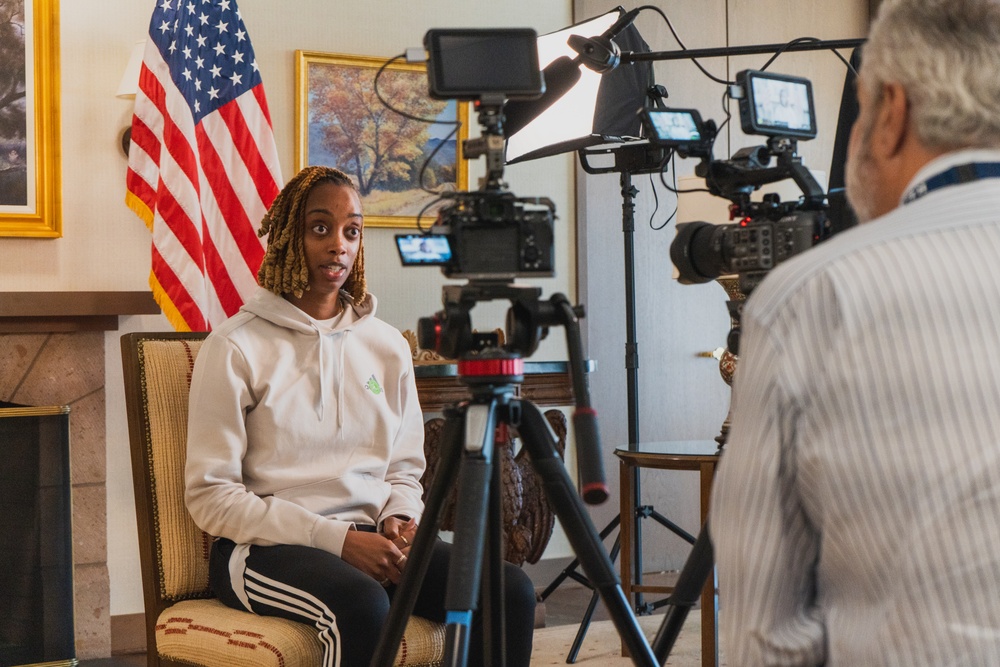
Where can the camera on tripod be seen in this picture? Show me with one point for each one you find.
(765, 233)
(487, 236)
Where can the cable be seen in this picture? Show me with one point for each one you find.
(406, 114)
(681, 44)
(420, 215)
(801, 40)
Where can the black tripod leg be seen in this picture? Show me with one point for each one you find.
(570, 570)
(589, 614)
(465, 565)
(494, 607)
(673, 527)
(423, 543)
(580, 530)
(696, 571)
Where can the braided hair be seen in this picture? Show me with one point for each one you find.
(284, 269)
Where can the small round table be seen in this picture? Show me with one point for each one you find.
(698, 455)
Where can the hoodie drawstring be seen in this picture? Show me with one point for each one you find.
(339, 339)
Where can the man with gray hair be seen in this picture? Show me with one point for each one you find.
(856, 512)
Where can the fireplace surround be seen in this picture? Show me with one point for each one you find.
(52, 353)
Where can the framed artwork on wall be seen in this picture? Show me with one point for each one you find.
(398, 163)
(29, 119)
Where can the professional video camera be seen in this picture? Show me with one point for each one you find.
(487, 234)
(767, 232)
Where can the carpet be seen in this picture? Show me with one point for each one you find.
(602, 644)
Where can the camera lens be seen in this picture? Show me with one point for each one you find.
(697, 252)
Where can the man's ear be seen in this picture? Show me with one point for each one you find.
(892, 122)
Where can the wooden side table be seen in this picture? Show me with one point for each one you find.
(698, 455)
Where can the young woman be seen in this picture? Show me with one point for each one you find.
(305, 440)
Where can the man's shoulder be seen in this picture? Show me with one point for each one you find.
(803, 270)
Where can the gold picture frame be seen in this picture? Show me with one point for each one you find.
(30, 169)
(335, 91)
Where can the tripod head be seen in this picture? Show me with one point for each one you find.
(449, 331)
(487, 367)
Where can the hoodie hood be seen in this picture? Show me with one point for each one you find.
(331, 337)
(282, 312)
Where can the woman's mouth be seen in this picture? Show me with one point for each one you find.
(333, 271)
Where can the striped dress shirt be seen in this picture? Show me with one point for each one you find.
(856, 512)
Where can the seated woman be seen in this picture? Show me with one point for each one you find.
(305, 441)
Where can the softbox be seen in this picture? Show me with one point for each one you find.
(597, 109)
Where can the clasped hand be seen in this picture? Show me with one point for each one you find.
(383, 555)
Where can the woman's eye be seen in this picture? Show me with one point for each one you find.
(319, 228)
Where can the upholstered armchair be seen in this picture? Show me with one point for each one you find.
(185, 624)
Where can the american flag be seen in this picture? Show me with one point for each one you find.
(203, 167)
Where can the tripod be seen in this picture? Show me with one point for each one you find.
(467, 456)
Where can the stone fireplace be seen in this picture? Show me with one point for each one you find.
(52, 354)
(68, 369)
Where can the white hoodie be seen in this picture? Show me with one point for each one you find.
(300, 428)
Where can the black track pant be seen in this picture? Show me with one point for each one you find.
(348, 607)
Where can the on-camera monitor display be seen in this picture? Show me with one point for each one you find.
(782, 104)
(423, 248)
(465, 63)
(675, 126)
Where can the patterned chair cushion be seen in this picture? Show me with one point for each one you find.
(206, 632)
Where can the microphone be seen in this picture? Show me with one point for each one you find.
(564, 72)
(623, 22)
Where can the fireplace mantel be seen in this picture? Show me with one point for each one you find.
(48, 312)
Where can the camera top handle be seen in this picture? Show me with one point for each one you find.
(747, 170)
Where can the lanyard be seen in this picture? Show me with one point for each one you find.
(963, 173)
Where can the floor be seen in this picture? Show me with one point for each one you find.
(565, 606)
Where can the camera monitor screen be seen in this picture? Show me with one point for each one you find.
(672, 127)
(467, 63)
(777, 105)
(430, 249)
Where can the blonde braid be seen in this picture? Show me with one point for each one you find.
(283, 269)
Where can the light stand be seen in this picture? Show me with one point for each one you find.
(629, 160)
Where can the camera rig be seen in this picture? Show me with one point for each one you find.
(764, 233)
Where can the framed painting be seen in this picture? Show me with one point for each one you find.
(340, 122)
(29, 119)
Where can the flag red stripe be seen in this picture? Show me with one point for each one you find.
(181, 225)
(258, 92)
(144, 138)
(247, 148)
(229, 202)
(138, 186)
(177, 294)
(215, 267)
(173, 137)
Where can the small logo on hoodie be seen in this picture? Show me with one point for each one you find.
(373, 386)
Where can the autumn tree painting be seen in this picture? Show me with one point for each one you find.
(13, 124)
(383, 151)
